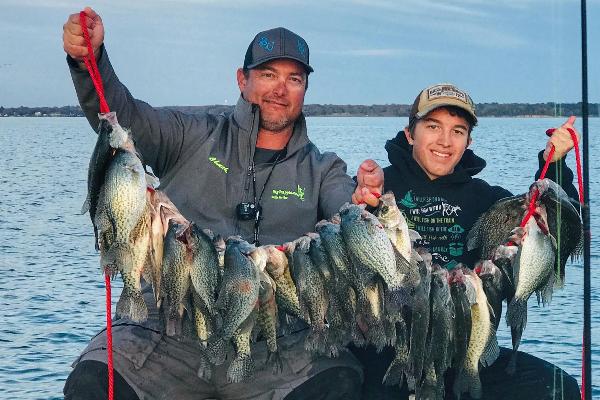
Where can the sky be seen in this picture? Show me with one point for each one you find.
(186, 52)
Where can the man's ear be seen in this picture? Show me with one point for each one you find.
(241, 79)
(469, 142)
(408, 136)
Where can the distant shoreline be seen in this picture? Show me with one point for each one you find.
(496, 110)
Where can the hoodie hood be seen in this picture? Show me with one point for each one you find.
(400, 155)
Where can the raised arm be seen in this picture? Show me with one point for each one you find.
(160, 135)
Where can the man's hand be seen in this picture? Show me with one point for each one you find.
(562, 141)
(73, 39)
(370, 184)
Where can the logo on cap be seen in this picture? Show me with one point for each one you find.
(266, 44)
(301, 47)
(447, 91)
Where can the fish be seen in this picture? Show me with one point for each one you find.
(462, 298)
(176, 281)
(483, 346)
(420, 317)
(242, 366)
(236, 303)
(395, 225)
(494, 226)
(110, 136)
(205, 271)
(441, 340)
(533, 271)
(267, 321)
(278, 269)
(368, 244)
(122, 221)
(564, 223)
(312, 294)
(347, 283)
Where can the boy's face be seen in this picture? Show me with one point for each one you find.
(439, 141)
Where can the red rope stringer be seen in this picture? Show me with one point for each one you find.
(92, 67)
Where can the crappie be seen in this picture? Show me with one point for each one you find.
(462, 301)
(312, 293)
(110, 136)
(122, 204)
(237, 298)
(267, 321)
(564, 223)
(176, 266)
(368, 244)
(395, 225)
(482, 343)
(533, 271)
(278, 268)
(494, 226)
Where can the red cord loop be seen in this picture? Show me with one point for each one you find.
(92, 67)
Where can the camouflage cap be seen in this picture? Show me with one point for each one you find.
(277, 43)
(439, 95)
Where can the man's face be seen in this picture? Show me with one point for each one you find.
(439, 141)
(278, 88)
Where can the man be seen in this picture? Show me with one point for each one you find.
(432, 177)
(253, 173)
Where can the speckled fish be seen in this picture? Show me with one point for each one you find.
(267, 321)
(533, 271)
(439, 348)
(421, 312)
(175, 278)
(482, 347)
(278, 268)
(494, 226)
(110, 136)
(122, 204)
(368, 244)
(347, 283)
(462, 298)
(312, 293)
(395, 225)
(237, 301)
(564, 223)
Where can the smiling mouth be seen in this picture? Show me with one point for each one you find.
(276, 103)
(441, 155)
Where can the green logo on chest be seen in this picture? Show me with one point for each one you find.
(282, 194)
(218, 164)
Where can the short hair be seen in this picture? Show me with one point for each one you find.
(452, 110)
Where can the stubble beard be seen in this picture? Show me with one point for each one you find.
(278, 125)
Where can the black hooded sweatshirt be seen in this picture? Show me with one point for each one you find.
(443, 210)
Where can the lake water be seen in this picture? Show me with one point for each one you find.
(52, 292)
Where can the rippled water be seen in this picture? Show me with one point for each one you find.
(52, 292)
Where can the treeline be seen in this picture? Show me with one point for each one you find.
(347, 110)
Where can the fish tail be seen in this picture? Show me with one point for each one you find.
(316, 340)
(395, 374)
(217, 350)
(131, 304)
(205, 368)
(274, 361)
(240, 369)
(516, 317)
(85, 207)
(468, 381)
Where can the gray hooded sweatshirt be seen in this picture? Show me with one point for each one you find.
(203, 163)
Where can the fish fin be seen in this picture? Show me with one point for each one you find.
(131, 304)
(468, 381)
(85, 207)
(544, 295)
(205, 368)
(316, 340)
(492, 350)
(397, 369)
(118, 257)
(274, 360)
(152, 181)
(217, 350)
(516, 318)
(413, 235)
(240, 369)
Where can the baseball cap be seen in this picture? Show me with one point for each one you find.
(439, 95)
(277, 43)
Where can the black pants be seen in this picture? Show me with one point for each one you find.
(89, 381)
(535, 379)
